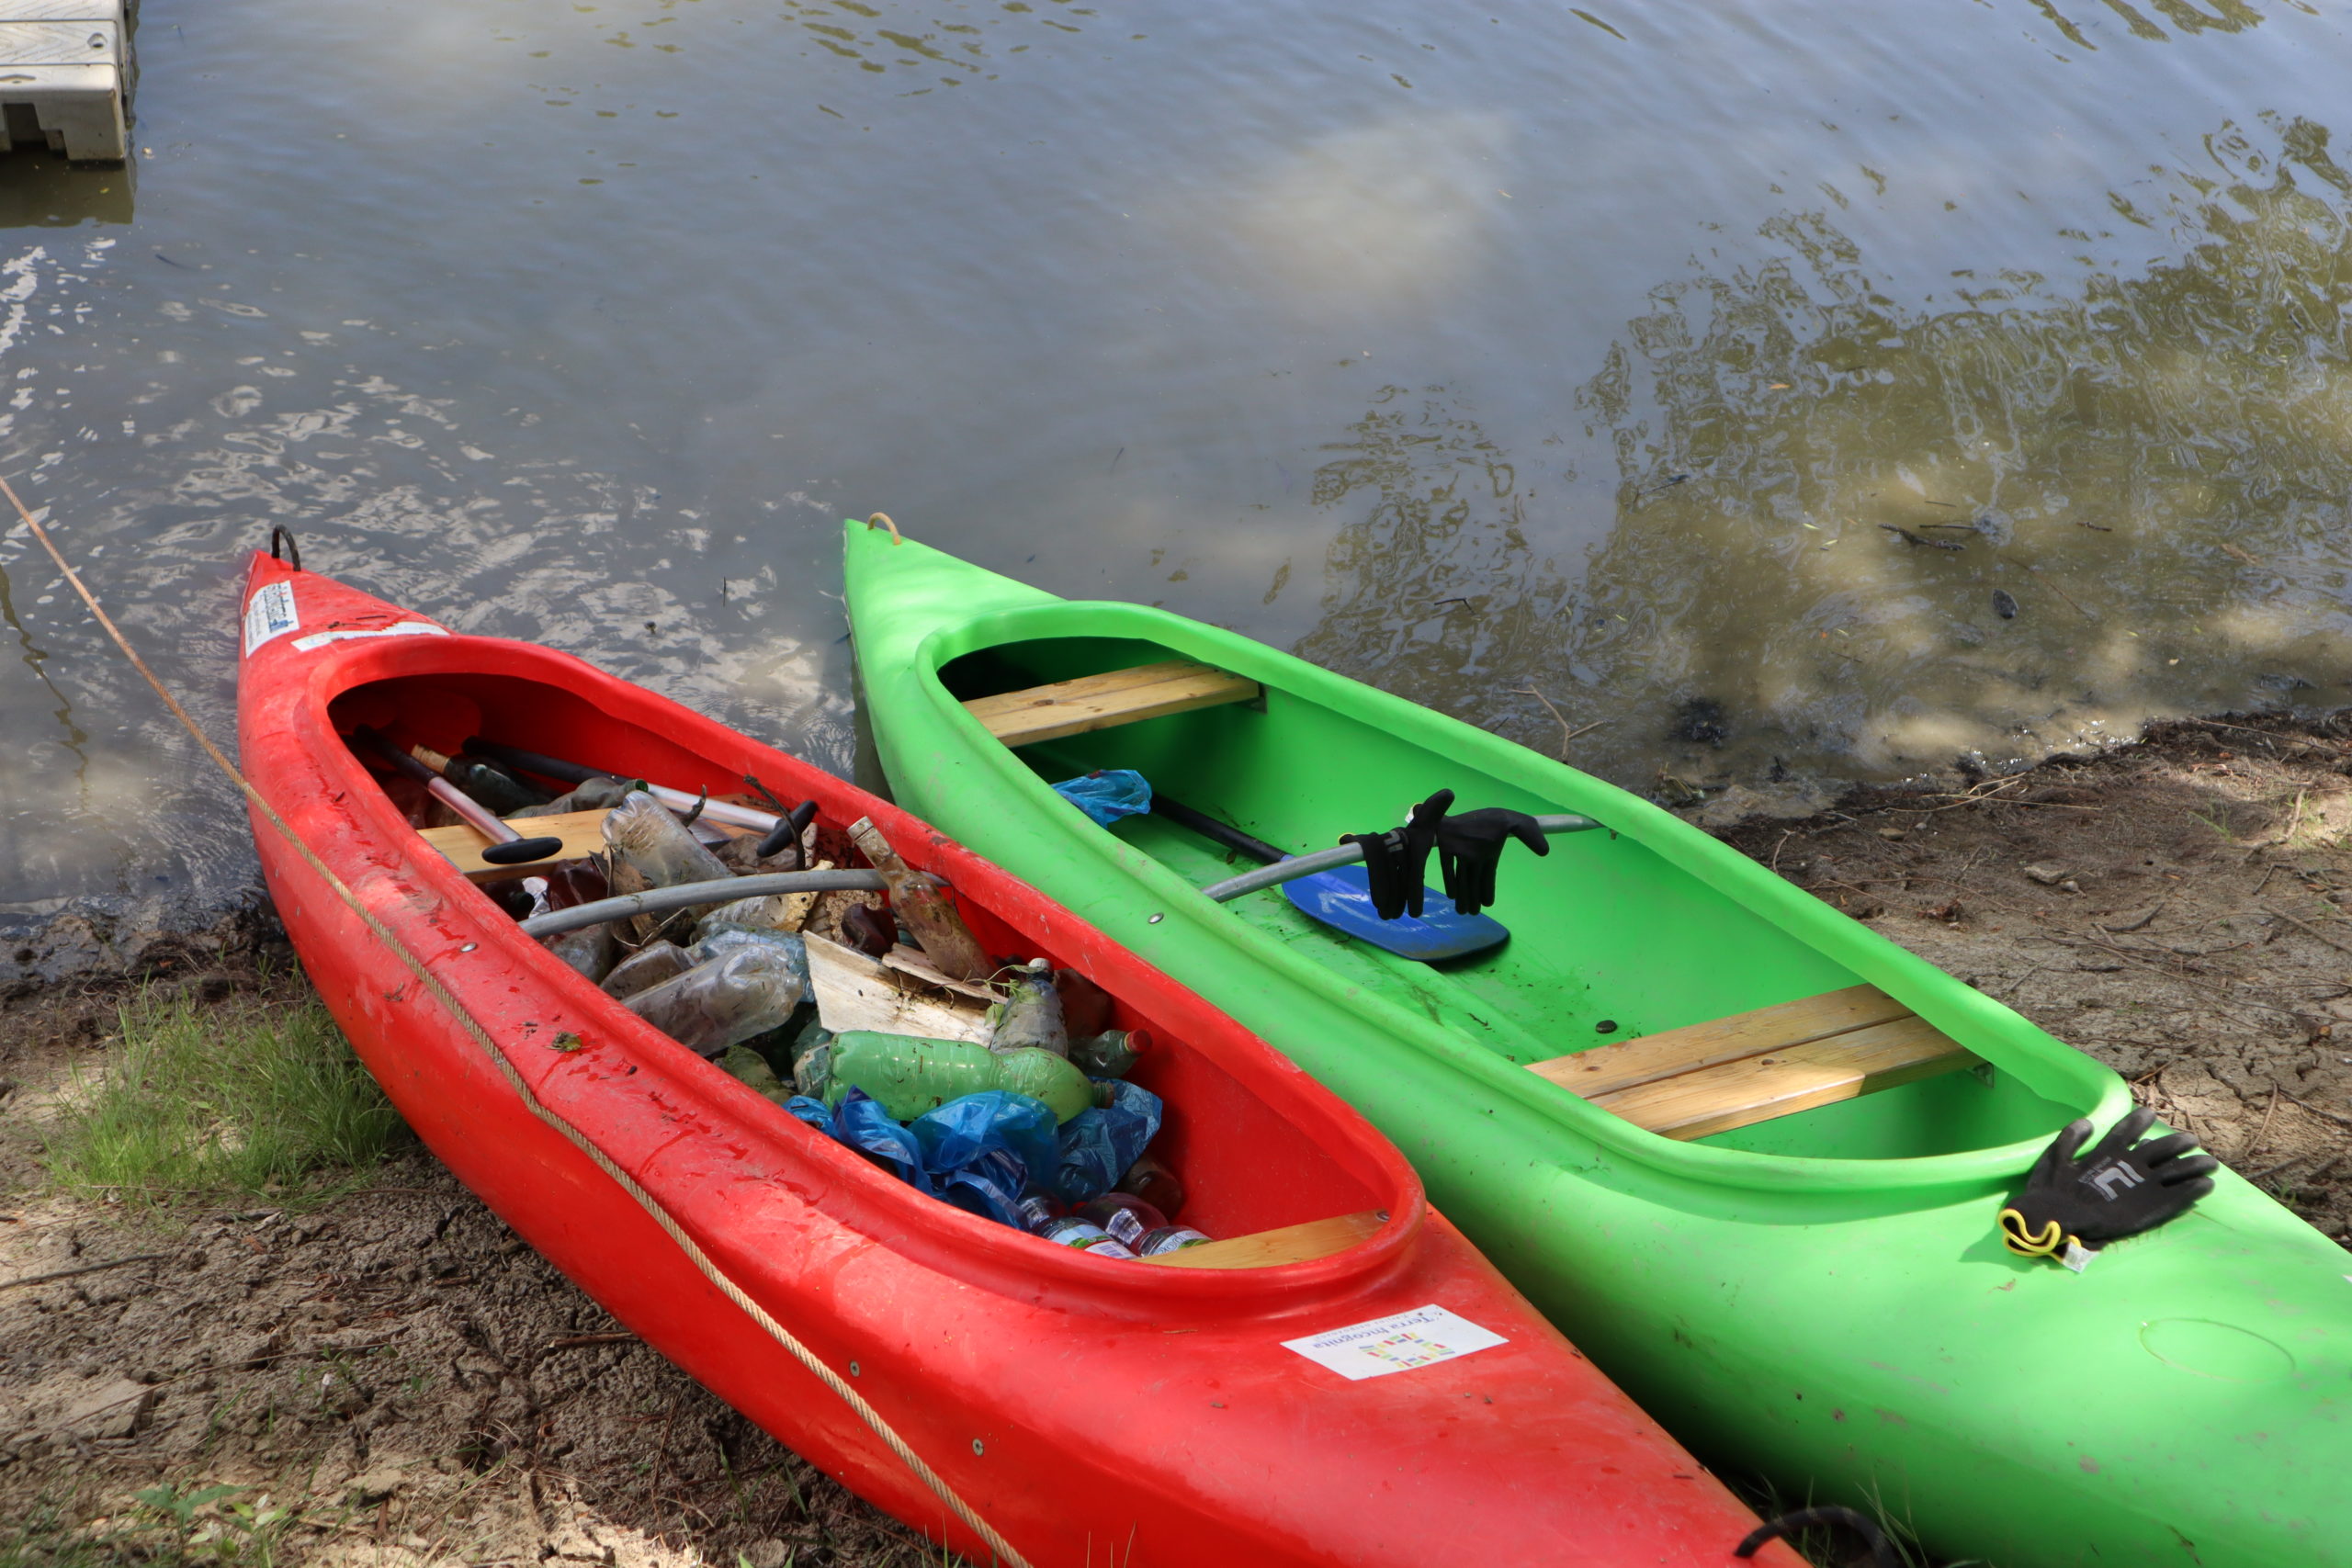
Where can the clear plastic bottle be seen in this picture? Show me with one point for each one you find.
(646, 968)
(723, 1002)
(1125, 1216)
(645, 833)
(1110, 1055)
(1166, 1239)
(1093, 1240)
(1157, 1185)
(929, 912)
(1039, 1209)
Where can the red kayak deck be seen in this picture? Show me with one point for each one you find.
(1083, 1406)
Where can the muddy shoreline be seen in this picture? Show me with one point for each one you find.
(401, 1370)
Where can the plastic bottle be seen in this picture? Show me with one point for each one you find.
(589, 950)
(646, 968)
(1030, 1014)
(1037, 1209)
(1157, 1185)
(929, 912)
(909, 1074)
(1111, 1054)
(598, 793)
(723, 1002)
(773, 913)
(749, 1067)
(812, 1071)
(1092, 1240)
(1168, 1239)
(643, 831)
(1125, 1216)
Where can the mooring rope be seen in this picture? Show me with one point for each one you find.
(701, 1260)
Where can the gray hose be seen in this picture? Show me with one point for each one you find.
(1298, 866)
(687, 895)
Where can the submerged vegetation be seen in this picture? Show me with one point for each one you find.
(250, 1094)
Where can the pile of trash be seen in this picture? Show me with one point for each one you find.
(876, 1020)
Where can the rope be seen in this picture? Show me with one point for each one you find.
(579, 1139)
(882, 520)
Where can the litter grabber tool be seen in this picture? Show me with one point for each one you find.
(1330, 886)
(507, 846)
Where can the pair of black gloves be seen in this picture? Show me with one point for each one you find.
(1468, 845)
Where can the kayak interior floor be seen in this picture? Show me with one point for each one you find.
(1609, 942)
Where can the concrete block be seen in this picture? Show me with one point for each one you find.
(65, 74)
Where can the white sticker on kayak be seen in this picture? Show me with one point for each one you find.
(1416, 1338)
(398, 628)
(268, 613)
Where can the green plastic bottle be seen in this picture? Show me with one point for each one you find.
(907, 1075)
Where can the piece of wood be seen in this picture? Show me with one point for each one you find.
(582, 833)
(916, 963)
(1268, 1249)
(1784, 1080)
(1100, 702)
(854, 991)
(1605, 1069)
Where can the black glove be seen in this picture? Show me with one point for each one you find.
(1396, 863)
(2123, 1188)
(1469, 846)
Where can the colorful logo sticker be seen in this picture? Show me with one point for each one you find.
(1418, 1339)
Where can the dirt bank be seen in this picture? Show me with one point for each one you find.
(2176, 908)
(395, 1367)
(419, 1388)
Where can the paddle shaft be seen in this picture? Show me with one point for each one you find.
(478, 817)
(688, 893)
(573, 772)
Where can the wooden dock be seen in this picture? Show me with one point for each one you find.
(65, 78)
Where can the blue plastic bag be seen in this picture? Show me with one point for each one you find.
(864, 1125)
(812, 1112)
(1108, 795)
(1101, 1142)
(988, 1186)
(959, 1133)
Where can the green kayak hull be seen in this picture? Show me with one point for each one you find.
(1820, 1299)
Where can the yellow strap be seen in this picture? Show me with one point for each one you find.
(2023, 1239)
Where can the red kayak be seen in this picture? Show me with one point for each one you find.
(1389, 1402)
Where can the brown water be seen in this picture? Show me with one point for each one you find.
(1506, 357)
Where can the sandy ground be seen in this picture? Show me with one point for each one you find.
(401, 1372)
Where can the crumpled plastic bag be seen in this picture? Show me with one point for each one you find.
(961, 1132)
(1099, 1144)
(1108, 795)
(988, 1186)
(811, 1110)
(865, 1126)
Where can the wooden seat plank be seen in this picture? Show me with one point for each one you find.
(1783, 1080)
(1268, 1249)
(1102, 702)
(1605, 1069)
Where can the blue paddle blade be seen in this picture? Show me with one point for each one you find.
(1341, 899)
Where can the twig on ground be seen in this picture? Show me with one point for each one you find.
(2311, 930)
(2143, 921)
(2264, 1131)
(85, 1269)
(1568, 731)
(576, 1340)
(2335, 1116)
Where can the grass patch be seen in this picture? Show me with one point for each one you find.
(241, 1096)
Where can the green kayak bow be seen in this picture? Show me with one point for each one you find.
(1806, 1280)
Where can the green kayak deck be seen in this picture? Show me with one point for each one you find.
(1816, 1292)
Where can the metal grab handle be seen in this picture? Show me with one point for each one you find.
(688, 893)
(1291, 870)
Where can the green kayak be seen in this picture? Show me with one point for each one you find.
(1798, 1271)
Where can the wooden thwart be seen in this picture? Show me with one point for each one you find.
(1729, 1072)
(1266, 1249)
(1102, 702)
